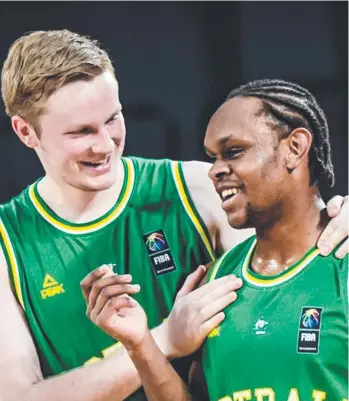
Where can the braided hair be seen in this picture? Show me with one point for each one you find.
(291, 107)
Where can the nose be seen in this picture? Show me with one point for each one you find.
(103, 143)
(218, 170)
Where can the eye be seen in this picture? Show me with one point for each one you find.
(114, 118)
(232, 153)
(211, 156)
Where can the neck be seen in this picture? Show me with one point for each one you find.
(288, 239)
(76, 205)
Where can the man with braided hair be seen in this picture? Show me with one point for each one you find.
(286, 336)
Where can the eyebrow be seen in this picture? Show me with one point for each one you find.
(221, 143)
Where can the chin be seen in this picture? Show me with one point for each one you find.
(237, 221)
(95, 185)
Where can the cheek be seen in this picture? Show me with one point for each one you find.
(73, 149)
(118, 128)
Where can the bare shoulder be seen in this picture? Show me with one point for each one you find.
(19, 362)
(202, 193)
(208, 205)
(199, 184)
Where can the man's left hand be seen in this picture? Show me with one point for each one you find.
(337, 229)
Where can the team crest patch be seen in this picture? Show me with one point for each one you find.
(309, 330)
(159, 252)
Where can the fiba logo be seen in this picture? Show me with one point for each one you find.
(159, 252)
(156, 242)
(309, 330)
(311, 319)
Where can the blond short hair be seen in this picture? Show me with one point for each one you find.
(40, 63)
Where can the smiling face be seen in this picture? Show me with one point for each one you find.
(249, 170)
(83, 134)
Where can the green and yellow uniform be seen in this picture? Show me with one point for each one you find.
(286, 336)
(153, 232)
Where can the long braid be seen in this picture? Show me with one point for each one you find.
(292, 106)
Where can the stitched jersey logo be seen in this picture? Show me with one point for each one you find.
(159, 252)
(309, 330)
(311, 318)
(260, 326)
(156, 242)
(51, 287)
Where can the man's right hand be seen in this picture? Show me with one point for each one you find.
(195, 313)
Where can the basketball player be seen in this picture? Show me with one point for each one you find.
(156, 220)
(286, 336)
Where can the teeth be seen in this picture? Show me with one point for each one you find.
(229, 192)
(99, 161)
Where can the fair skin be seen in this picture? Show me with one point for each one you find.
(83, 124)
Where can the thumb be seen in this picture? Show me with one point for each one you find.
(192, 281)
(334, 205)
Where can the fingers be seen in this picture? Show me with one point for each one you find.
(203, 280)
(211, 324)
(104, 282)
(224, 284)
(87, 282)
(231, 284)
(101, 285)
(109, 293)
(334, 205)
(343, 250)
(213, 308)
(192, 281)
(112, 311)
(336, 231)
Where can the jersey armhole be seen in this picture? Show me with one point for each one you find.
(189, 207)
(12, 265)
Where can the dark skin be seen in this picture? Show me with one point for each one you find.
(272, 176)
(274, 196)
(271, 180)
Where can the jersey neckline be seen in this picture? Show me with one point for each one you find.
(268, 281)
(82, 228)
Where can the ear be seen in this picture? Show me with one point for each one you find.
(299, 142)
(25, 131)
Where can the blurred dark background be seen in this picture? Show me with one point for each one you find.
(176, 62)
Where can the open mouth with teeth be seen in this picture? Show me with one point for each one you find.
(229, 193)
(97, 163)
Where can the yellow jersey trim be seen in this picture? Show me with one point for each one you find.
(270, 282)
(217, 266)
(188, 208)
(13, 262)
(88, 228)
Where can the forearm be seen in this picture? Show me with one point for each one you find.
(112, 379)
(160, 381)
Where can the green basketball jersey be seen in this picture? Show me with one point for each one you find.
(153, 232)
(286, 336)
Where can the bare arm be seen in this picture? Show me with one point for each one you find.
(196, 312)
(208, 204)
(160, 381)
(112, 379)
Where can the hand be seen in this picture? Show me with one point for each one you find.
(197, 312)
(337, 229)
(111, 308)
